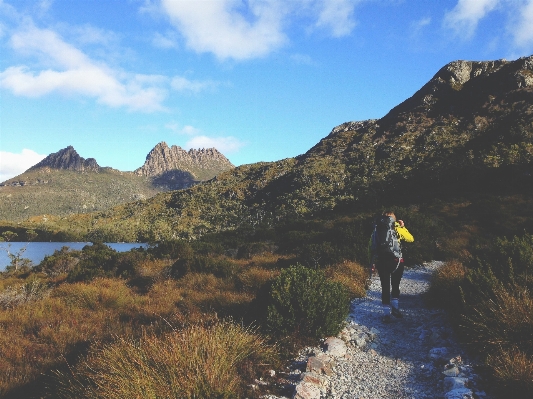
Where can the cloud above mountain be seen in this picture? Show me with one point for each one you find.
(12, 164)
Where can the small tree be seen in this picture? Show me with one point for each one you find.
(16, 260)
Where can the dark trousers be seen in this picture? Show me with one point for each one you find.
(389, 278)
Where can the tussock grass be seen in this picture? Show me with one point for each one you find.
(502, 320)
(351, 275)
(495, 318)
(444, 290)
(514, 370)
(197, 362)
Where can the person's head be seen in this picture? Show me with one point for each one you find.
(391, 214)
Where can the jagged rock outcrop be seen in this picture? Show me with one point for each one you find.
(176, 163)
(68, 159)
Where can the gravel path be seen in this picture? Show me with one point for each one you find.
(397, 363)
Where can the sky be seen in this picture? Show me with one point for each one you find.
(260, 80)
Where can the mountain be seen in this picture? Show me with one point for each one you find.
(68, 159)
(65, 183)
(467, 132)
(175, 168)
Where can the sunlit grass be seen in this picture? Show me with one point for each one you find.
(197, 362)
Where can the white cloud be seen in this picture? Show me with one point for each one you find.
(225, 29)
(179, 83)
(523, 31)
(225, 145)
(465, 16)
(187, 129)
(337, 15)
(12, 164)
(165, 41)
(70, 71)
(87, 34)
(245, 29)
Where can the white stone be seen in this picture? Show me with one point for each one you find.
(305, 390)
(335, 347)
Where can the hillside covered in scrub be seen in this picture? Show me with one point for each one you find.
(468, 130)
(64, 183)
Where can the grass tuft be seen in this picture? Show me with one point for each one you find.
(197, 362)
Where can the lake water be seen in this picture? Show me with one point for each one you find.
(36, 251)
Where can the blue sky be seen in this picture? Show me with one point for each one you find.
(261, 80)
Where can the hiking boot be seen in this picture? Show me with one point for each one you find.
(386, 319)
(396, 312)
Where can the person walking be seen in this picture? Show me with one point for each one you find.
(386, 257)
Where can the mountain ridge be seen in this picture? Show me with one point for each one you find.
(475, 134)
(64, 183)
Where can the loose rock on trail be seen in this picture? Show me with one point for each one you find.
(415, 357)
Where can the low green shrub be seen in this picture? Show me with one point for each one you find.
(303, 301)
(61, 261)
(99, 260)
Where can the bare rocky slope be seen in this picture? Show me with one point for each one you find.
(177, 168)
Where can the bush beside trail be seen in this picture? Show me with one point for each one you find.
(490, 298)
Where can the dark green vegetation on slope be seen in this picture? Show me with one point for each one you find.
(469, 130)
(62, 192)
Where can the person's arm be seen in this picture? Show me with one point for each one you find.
(403, 232)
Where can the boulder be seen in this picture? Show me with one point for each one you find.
(335, 347)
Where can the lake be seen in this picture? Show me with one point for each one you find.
(36, 251)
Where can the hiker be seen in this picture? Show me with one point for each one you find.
(386, 256)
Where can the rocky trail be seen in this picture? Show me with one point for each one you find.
(415, 357)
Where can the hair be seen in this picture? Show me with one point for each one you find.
(390, 213)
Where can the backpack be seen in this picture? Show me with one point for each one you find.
(385, 241)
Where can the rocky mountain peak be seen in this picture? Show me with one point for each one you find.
(68, 159)
(162, 159)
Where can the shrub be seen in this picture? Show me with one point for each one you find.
(61, 261)
(303, 301)
(509, 259)
(97, 260)
(199, 362)
(31, 290)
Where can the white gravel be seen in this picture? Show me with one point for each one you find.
(397, 364)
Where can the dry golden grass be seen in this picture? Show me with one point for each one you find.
(444, 288)
(503, 320)
(514, 369)
(352, 275)
(36, 336)
(254, 277)
(456, 245)
(197, 362)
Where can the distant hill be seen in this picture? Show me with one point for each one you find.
(469, 130)
(65, 183)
